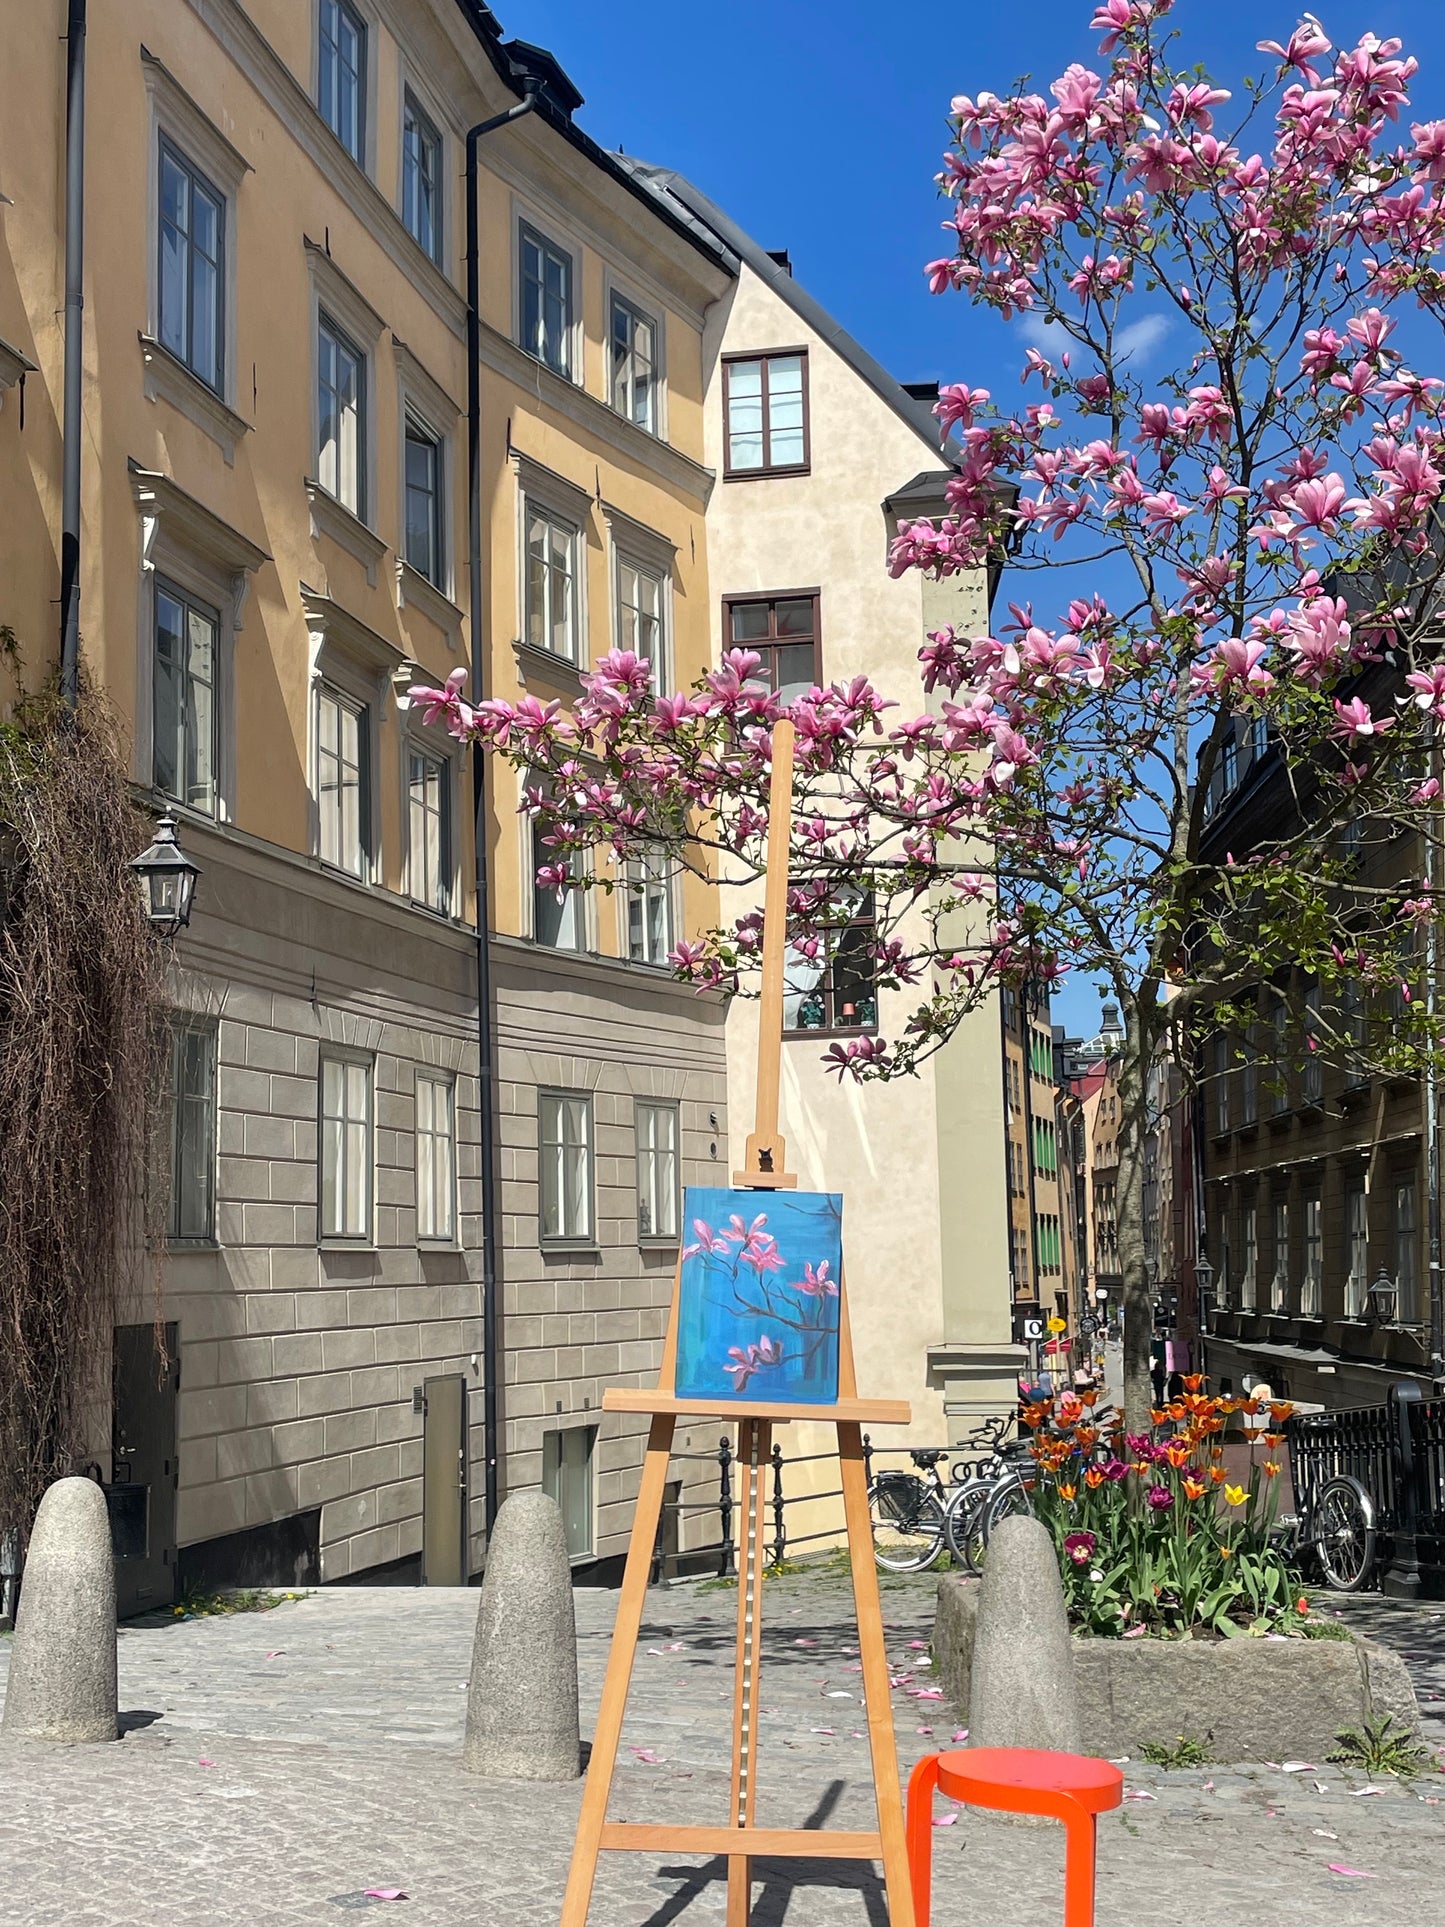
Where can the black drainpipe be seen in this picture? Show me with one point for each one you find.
(486, 1038)
(74, 348)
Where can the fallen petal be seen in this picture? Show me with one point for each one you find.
(383, 1893)
(1350, 1873)
(944, 1819)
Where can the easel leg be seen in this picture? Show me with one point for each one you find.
(754, 1438)
(873, 1654)
(608, 1730)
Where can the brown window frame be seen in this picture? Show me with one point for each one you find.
(767, 646)
(865, 919)
(767, 468)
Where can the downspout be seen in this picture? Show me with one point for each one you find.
(1432, 1091)
(74, 349)
(486, 1034)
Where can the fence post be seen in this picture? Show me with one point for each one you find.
(1401, 1578)
(867, 1458)
(654, 1574)
(780, 1534)
(726, 1564)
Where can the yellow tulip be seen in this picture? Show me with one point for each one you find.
(1235, 1494)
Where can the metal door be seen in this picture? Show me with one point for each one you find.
(444, 1482)
(144, 1473)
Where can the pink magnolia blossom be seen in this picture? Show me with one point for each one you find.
(1353, 719)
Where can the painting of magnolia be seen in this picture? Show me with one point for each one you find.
(759, 1309)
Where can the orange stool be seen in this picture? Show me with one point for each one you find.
(1016, 1779)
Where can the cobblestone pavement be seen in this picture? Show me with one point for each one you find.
(275, 1765)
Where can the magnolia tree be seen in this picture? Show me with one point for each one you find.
(1251, 539)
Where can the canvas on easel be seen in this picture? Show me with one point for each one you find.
(748, 1387)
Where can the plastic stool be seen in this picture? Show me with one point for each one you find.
(1016, 1779)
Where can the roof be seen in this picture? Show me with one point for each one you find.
(675, 187)
(527, 69)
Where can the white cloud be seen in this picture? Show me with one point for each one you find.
(1136, 341)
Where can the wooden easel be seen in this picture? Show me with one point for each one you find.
(765, 1160)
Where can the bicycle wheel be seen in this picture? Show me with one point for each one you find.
(963, 1520)
(908, 1529)
(1014, 1496)
(1342, 1531)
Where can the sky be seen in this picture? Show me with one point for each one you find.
(818, 125)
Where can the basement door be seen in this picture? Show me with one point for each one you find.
(444, 1482)
(144, 1472)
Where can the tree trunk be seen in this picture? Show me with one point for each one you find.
(1129, 1224)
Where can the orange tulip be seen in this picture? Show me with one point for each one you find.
(1177, 1454)
(1093, 1478)
(1218, 1473)
(1280, 1410)
(1226, 1552)
(1067, 1491)
(1302, 1605)
(1271, 1469)
(1193, 1381)
(1194, 1488)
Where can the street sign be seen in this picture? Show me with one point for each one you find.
(1055, 1346)
(1033, 1328)
(1088, 1325)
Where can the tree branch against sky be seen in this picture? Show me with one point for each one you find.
(1261, 516)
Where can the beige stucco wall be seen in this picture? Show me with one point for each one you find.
(920, 1161)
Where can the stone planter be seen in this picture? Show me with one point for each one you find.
(1250, 1699)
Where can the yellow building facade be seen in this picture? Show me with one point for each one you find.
(275, 548)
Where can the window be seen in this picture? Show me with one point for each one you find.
(340, 417)
(1309, 1297)
(421, 178)
(425, 526)
(765, 401)
(1224, 1283)
(834, 989)
(564, 1147)
(191, 290)
(1281, 1058)
(567, 1478)
(783, 630)
(436, 1158)
(559, 915)
(1249, 1080)
(657, 1170)
(429, 799)
(640, 615)
(192, 1210)
(1279, 1284)
(1230, 762)
(184, 733)
(1221, 1082)
(1407, 1266)
(549, 613)
(1258, 737)
(346, 1160)
(634, 364)
(649, 906)
(546, 301)
(341, 75)
(1312, 1075)
(342, 802)
(1250, 1273)
(1357, 1231)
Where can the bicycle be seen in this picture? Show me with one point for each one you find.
(1340, 1529)
(908, 1513)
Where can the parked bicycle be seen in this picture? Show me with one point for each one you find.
(1339, 1530)
(916, 1516)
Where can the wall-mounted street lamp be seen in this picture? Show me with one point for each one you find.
(1382, 1298)
(167, 879)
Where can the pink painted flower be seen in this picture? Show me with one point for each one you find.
(816, 1284)
(714, 1243)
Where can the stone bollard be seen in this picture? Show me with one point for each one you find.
(1021, 1687)
(522, 1696)
(62, 1665)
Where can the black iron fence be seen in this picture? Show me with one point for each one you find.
(669, 1555)
(1397, 1452)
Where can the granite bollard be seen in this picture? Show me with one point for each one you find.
(62, 1664)
(1021, 1686)
(522, 1696)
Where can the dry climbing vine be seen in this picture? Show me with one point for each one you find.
(81, 1090)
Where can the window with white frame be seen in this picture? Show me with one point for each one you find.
(421, 176)
(1224, 1283)
(341, 74)
(184, 729)
(1312, 1081)
(341, 426)
(190, 288)
(650, 935)
(1221, 1081)
(1281, 1058)
(564, 1168)
(567, 1477)
(346, 1148)
(1279, 1283)
(657, 1169)
(641, 612)
(343, 803)
(559, 913)
(1249, 1079)
(545, 300)
(425, 547)
(1357, 1233)
(1309, 1297)
(429, 829)
(1407, 1255)
(634, 364)
(436, 1157)
(192, 1208)
(549, 595)
(1249, 1274)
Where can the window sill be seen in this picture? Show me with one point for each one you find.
(343, 875)
(548, 667)
(585, 1250)
(183, 1245)
(562, 374)
(167, 379)
(413, 589)
(847, 1030)
(354, 1247)
(766, 474)
(662, 1242)
(334, 520)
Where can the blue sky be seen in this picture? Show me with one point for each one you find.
(818, 125)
